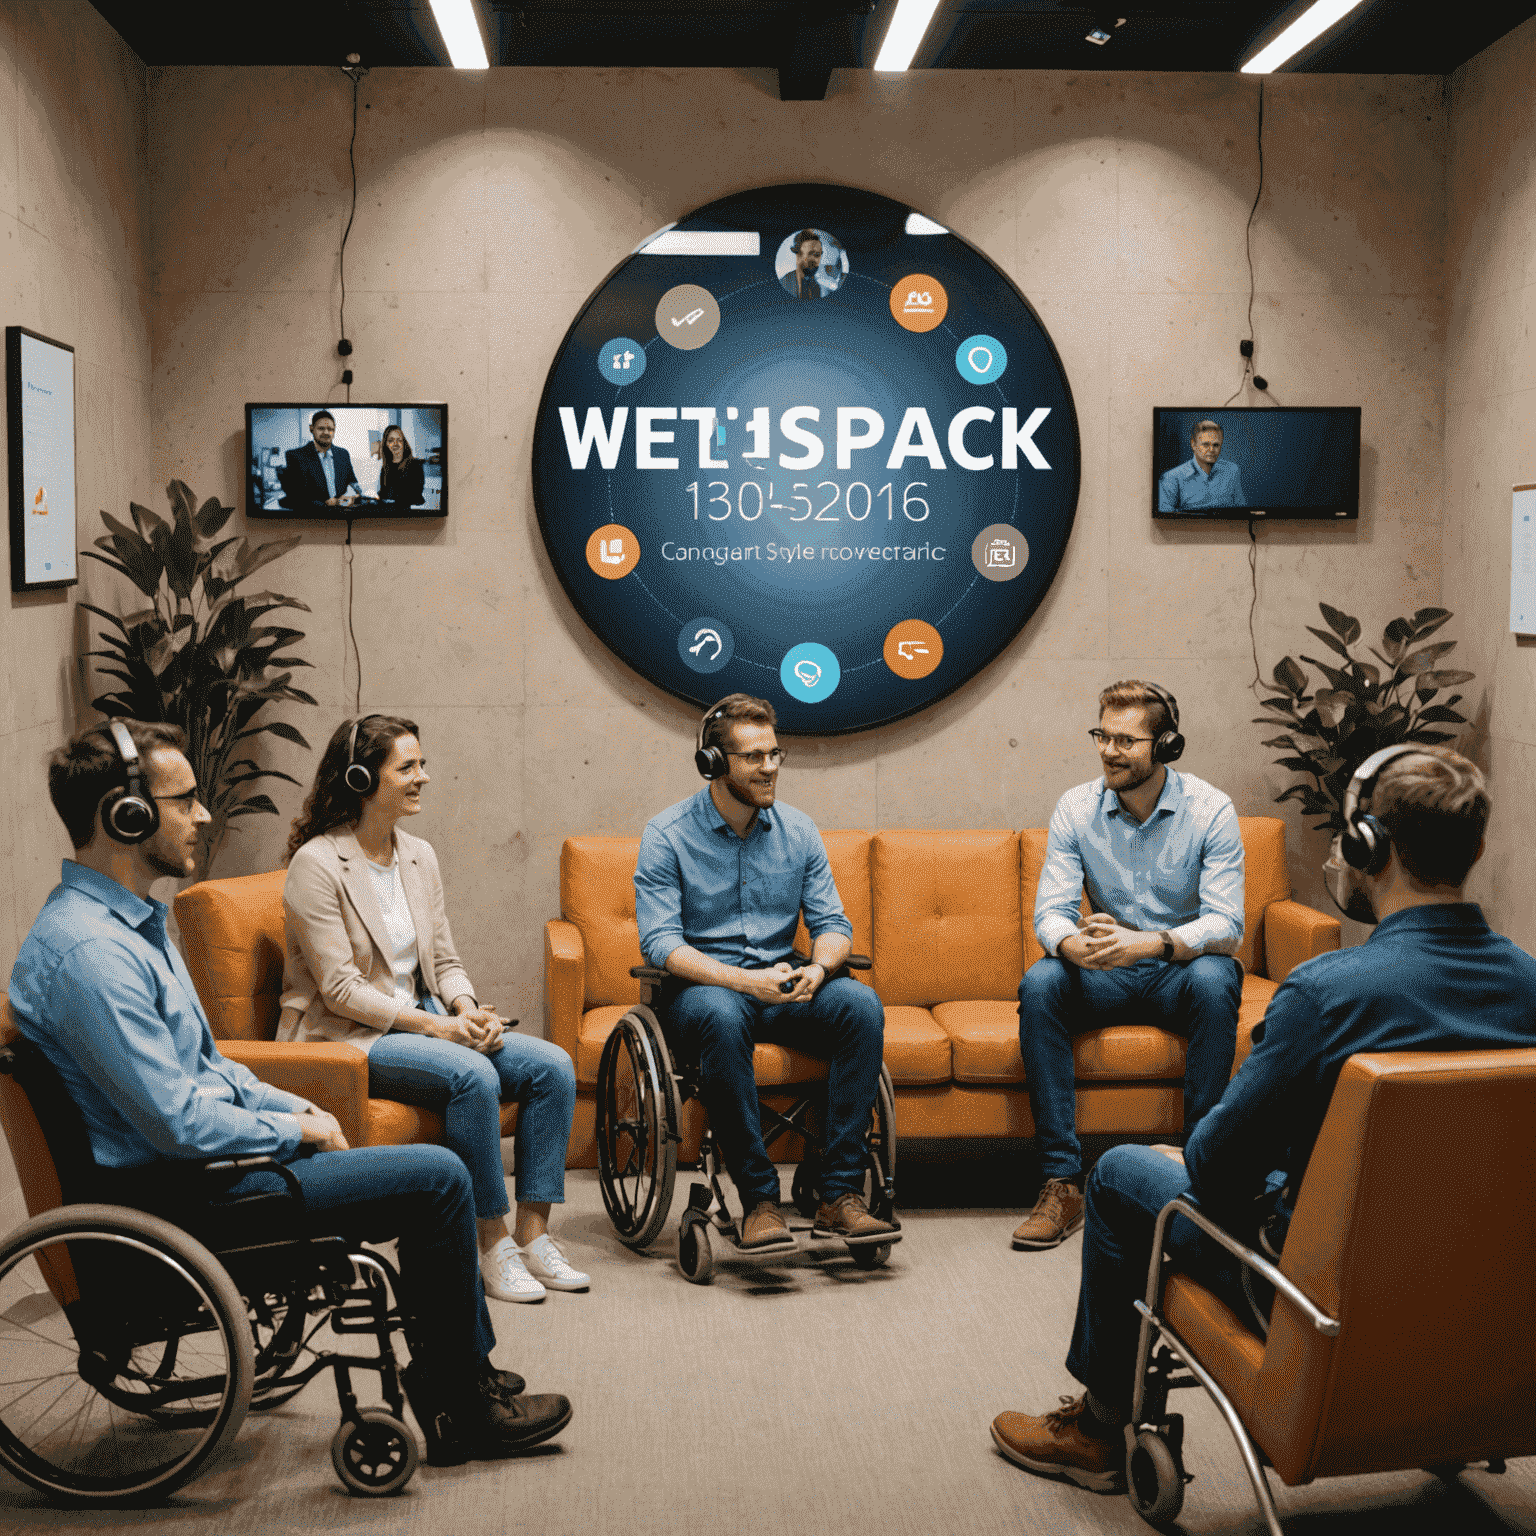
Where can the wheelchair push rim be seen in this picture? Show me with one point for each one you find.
(636, 1128)
(132, 1386)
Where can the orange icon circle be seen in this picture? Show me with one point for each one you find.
(613, 551)
(919, 302)
(913, 649)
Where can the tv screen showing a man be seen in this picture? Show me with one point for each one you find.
(1266, 461)
(347, 460)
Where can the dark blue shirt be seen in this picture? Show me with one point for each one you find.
(735, 899)
(1434, 978)
(101, 991)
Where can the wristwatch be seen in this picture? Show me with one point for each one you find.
(1167, 945)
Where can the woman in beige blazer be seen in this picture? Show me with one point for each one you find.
(370, 961)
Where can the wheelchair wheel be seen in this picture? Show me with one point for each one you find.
(880, 1177)
(127, 1390)
(636, 1128)
(869, 1255)
(374, 1454)
(1154, 1479)
(695, 1249)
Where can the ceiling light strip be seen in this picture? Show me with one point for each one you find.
(460, 27)
(704, 242)
(904, 34)
(1311, 24)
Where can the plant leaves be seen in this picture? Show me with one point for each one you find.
(1346, 628)
(1331, 641)
(1431, 738)
(1434, 681)
(254, 804)
(1333, 704)
(1442, 712)
(1290, 677)
(1427, 620)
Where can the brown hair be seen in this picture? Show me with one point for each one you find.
(1133, 693)
(89, 766)
(1205, 426)
(733, 709)
(331, 803)
(1434, 803)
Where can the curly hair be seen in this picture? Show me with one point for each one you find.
(331, 803)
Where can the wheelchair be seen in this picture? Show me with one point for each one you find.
(650, 1121)
(140, 1360)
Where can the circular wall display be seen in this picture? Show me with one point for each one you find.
(809, 445)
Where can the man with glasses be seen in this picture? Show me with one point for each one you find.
(1159, 854)
(720, 884)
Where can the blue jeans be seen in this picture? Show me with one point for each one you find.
(1127, 1189)
(467, 1089)
(844, 1021)
(419, 1194)
(1057, 1000)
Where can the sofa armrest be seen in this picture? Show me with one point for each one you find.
(565, 981)
(327, 1073)
(1293, 933)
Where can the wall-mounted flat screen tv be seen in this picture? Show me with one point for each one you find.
(353, 461)
(1212, 462)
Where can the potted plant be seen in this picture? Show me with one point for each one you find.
(198, 656)
(1365, 706)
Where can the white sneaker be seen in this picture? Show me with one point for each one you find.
(501, 1267)
(550, 1265)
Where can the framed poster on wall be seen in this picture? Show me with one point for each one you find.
(40, 401)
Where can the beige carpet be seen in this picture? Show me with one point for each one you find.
(805, 1397)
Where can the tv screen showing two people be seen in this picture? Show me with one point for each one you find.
(1275, 461)
(347, 460)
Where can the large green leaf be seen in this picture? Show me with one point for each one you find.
(1346, 628)
(1427, 620)
(254, 804)
(1433, 681)
(264, 554)
(1331, 641)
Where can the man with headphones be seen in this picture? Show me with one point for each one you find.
(101, 991)
(1159, 855)
(720, 885)
(1432, 977)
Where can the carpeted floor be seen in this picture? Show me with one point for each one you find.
(805, 1396)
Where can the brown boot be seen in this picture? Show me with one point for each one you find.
(765, 1227)
(1057, 1445)
(846, 1217)
(1058, 1213)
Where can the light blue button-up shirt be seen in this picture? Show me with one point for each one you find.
(735, 899)
(1189, 489)
(1180, 871)
(100, 989)
(328, 465)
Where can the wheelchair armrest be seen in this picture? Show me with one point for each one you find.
(244, 1165)
(652, 973)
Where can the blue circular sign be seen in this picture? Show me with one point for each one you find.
(786, 420)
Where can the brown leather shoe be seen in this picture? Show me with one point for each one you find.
(1056, 1445)
(765, 1227)
(848, 1218)
(1058, 1213)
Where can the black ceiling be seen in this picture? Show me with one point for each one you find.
(806, 39)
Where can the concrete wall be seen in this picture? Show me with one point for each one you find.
(490, 205)
(74, 265)
(1490, 436)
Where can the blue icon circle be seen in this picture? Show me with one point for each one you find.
(705, 644)
(621, 361)
(809, 672)
(981, 359)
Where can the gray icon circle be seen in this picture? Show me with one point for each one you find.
(687, 317)
(705, 645)
(1000, 552)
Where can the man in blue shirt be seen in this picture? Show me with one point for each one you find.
(1205, 482)
(100, 990)
(1159, 854)
(720, 884)
(1432, 977)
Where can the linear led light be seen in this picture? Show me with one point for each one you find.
(904, 34)
(704, 242)
(1312, 23)
(461, 33)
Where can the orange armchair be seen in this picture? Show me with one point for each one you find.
(232, 938)
(1394, 1341)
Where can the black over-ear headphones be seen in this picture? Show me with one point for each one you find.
(129, 815)
(711, 762)
(358, 777)
(1169, 747)
(1365, 842)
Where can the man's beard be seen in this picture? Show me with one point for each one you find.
(741, 797)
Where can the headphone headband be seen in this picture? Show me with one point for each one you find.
(1364, 842)
(128, 815)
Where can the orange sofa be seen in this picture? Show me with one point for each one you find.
(948, 919)
(232, 939)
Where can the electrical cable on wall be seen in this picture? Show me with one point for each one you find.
(357, 695)
(355, 72)
(1246, 345)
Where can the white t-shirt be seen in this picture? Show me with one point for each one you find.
(399, 926)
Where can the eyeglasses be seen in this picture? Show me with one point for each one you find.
(187, 798)
(758, 759)
(1120, 743)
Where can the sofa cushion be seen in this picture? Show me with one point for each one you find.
(917, 1051)
(232, 937)
(597, 893)
(947, 921)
